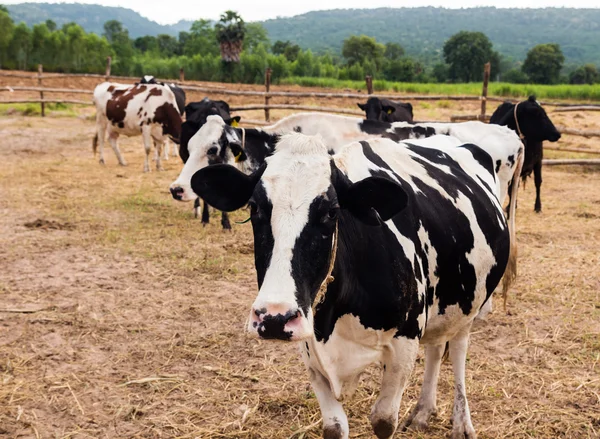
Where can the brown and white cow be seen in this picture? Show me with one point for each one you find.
(149, 110)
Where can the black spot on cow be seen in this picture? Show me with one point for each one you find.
(482, 157)
(511, 159)
(498, 165)
(121, 125)
(298, 129)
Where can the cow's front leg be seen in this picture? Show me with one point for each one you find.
(398, 362)
(205, 212)
(462, 427)
(167, 147)
(426, 406)
(537, 178)
(335, 422)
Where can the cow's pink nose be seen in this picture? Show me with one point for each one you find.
(276, 322)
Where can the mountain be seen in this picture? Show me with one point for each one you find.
(91, 17)
(421, 31)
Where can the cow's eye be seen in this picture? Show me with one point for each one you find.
(331, 215)
(212, 151)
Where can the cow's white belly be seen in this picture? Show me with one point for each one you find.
(351, 348)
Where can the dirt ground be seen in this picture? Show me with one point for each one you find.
(122, 317)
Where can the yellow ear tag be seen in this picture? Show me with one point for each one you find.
(237, 157)
(234, 123)
(389, 112)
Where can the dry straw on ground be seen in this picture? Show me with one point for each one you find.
(129, 322)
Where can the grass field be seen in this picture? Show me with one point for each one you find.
(562, 91)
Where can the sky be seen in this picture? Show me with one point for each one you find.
(171, 11)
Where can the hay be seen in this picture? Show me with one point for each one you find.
(133, 320)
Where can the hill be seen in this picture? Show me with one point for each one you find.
(422, 31)
(91, 17)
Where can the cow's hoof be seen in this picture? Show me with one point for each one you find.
(123, 164)
(333, 431)
(204, 223)
(101, 161)
(463, 430)
(419, 418)
(383, 428)
(160, 169)
(538, 210)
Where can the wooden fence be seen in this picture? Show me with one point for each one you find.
(267, 95)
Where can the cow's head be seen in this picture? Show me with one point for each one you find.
(375, 109)
(214, 142)
(296, 199)
(148, 79)
(534, 123)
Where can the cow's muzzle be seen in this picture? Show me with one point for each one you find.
(177, 193)
(272, 322)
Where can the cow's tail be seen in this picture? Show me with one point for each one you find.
(95, 143)
(511, 269)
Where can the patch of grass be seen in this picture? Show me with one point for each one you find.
(33, 109)
(502, 89)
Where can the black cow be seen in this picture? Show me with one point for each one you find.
(362, 256)
(385, 110)
(195, 115)
(533, 126)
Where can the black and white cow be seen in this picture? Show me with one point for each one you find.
(415, 239)
(196, 114)
(385, 110)
(149, 110)
(533, 125)
(179, 97)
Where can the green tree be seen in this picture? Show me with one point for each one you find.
(20, 46)
(402, 70)
(6, 32)
(515, 76)
(201, 39)
(466, 53)
(587, 74)
(230, 33)
(393, 51)
(4, 9)
(146, 43)
(255, 34)
(544, 63)
(168, 46)
(441, 72)
(286, 48)
(51, 25)
(359, 49)
(118, 37)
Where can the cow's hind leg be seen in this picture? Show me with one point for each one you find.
(426, 406)
(112, 138)
(335, 422)
(158, 145)
(398, 362)
(225, 221)
(148, 142)
(462, 427)
(537, 177)
(100, 138)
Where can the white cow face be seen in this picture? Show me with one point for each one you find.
(296, 199)
(208, 146)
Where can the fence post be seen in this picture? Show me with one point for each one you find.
(181, 75)
(108, 63)
(267, 89)
(484, 93)
(369, 81)
(40, 71)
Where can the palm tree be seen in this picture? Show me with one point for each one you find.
(230, 32)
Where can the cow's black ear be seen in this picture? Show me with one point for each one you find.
(372, 200)
(363, 107)
(225, 187)
(388, 109)
(238, 152)
(234, 121)
(533, 99)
